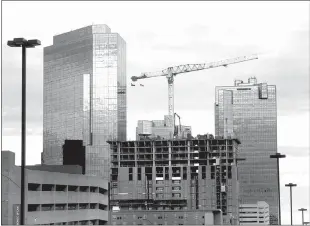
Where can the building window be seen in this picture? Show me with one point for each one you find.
(159, 195)
(139, 173)
(176, 195)
(178, 188)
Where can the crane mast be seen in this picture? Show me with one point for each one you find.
(170, 72)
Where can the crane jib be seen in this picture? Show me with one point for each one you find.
(172, 71)
(194, 67)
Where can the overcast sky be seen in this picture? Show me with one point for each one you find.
(162, 34)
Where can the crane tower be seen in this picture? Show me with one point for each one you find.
(171, 72)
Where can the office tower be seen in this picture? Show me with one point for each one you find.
(248, 111)
(161, 129)
(257, 213)
(85, 95)
(186, 175)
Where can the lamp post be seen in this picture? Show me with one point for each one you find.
(302, 214)
(21, 42)
(291, 199)
(278, 156)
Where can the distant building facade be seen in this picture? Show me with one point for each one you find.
(54, 195)
(168, 217)
(161, 129)
(84, 95)
(248, 111)
(176, 175)
(257, 213)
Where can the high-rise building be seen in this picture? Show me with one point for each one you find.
(257, 213)
(85, 95)
(175, 175)
(248, 111)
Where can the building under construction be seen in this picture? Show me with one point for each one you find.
(162, 129)
(180, 175)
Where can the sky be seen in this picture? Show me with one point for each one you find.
(163, 34)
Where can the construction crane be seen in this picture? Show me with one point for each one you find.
(177, 130)
(170, 72)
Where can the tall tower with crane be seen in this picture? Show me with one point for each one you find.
(171, 72)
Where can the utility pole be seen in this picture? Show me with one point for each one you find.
(302, 214)
(21, 42)
(278, 156)
(291, 199)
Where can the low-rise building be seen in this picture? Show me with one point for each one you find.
(53, 195)
(257, 213)
(168, 217)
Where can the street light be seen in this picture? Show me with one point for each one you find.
(291, 199)
(302, 214)
(21, 42)
(278, 156)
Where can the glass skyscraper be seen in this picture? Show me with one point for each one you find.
(248, 111)
(85, 95)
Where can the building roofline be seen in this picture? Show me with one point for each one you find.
(148, 211)
(118, 141)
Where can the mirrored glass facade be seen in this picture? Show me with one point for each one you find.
(85, 95)
(249, 112)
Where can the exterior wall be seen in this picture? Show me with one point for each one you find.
(254, 213)
(72, 169)
(85, 95)
(176, 175)
(167, 218)
(53, 197)
(251, 113)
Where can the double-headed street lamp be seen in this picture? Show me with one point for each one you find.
(302, 214)
(291, 199)
(21, 42)
(278, 156)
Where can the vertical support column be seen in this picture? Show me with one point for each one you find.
(188, 154)
(136, 155)
(154, 156)
(119, 153)
(169, 151)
